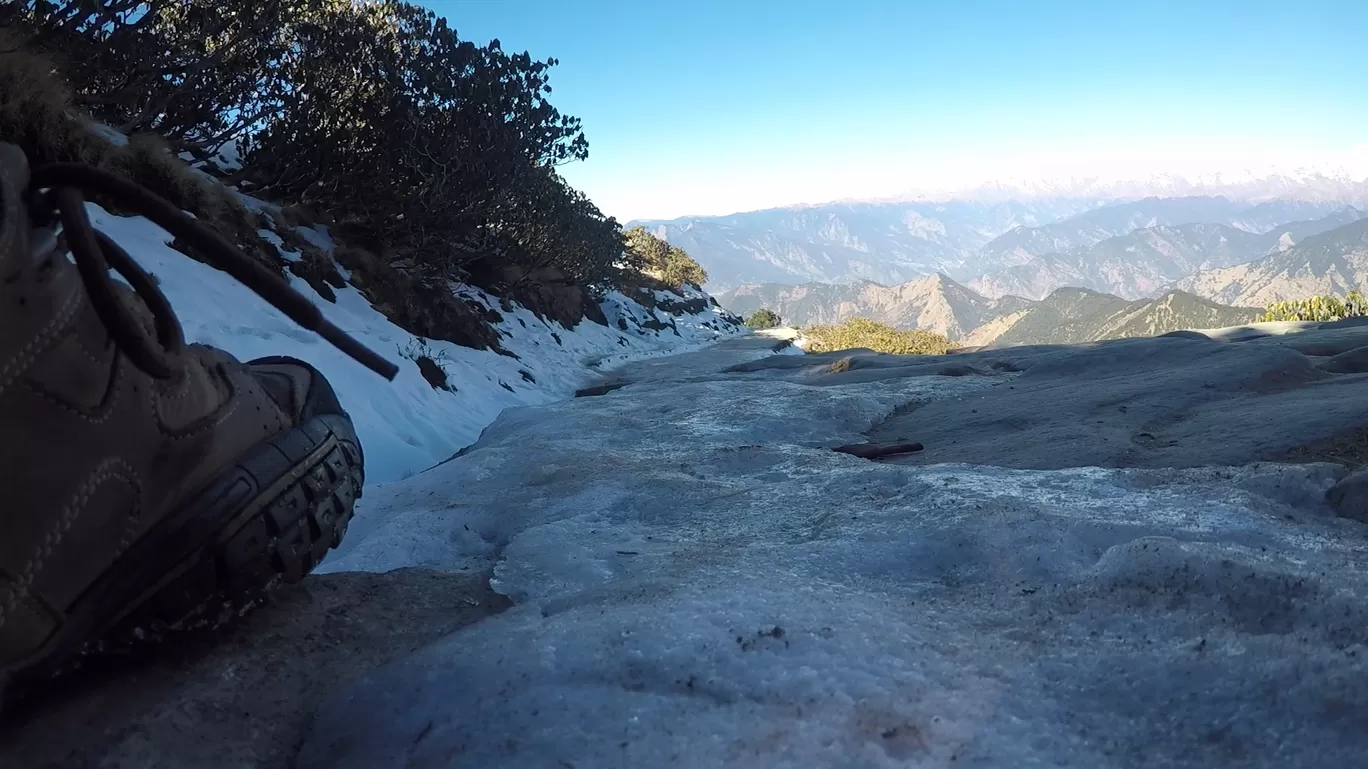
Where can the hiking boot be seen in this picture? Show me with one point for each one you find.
(147, 484)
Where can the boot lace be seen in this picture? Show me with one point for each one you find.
(95, 254)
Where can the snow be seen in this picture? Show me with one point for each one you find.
(270, 236)
(700, 582)
(406, 425)
(226, 159)
(229, 157)
(109, 133)
(318, 237)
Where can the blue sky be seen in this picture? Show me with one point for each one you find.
(711, 107)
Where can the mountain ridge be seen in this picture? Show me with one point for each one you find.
(893, 243)
(1331, 262)
(1077, 315)
(1331, 182)
(1146, 260)
(887, 243)
(941, 305)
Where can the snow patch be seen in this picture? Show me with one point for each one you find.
(405, 425)
(108, 133)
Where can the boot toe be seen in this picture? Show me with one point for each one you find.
(297, 387)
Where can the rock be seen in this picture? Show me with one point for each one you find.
(959, 371)
(600, 389)
(1349, 497)
(1322, 342)
(1184, 335)
(1351, 362)
(1358, 320)
(1243, 334)
(425, 308)
(1217, 404)
(245, 697)
(877, 450)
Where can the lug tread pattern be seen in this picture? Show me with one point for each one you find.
(282, 542)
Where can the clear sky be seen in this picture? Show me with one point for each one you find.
(717, 106)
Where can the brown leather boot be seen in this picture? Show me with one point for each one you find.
(145, 483)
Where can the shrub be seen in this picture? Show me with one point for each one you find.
(37, 114)
(762, 319)
(669, 264)
(372, 112)
(1316, 308)
(861, 332)
(680, 269)
(432, 365)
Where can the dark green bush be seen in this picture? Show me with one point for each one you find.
(372, 112)
(669, 264)
(763, 319)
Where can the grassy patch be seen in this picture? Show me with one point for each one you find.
(431, 364)
(864, 333)
(1317, 308)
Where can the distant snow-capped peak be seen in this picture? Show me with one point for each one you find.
(1322, 183)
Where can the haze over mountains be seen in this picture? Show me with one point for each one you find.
(1003, 247)
(841, 242)
(968, 267)
(1333, 183)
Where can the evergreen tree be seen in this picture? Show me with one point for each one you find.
(763, 319)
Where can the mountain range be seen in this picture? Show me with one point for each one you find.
(1048, 265)
(1076, 315)
(1332, 183)
(933, 303)
(1331, 262)
(1023, 247)
(1150, 258)
(939, 304)
(887, 243)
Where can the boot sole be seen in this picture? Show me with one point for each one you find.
(271, 517)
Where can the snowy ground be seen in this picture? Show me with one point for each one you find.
(406, 425)
(699, 582)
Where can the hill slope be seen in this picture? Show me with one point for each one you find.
(1020, 244)
(1332, 262)
(1075, 315)
(935, 303)
(411, 424)
(1145, 261)
(940, 305)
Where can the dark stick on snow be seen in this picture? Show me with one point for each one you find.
(877, 450)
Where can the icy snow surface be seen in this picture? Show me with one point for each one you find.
(700, 582)
(405, 425)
